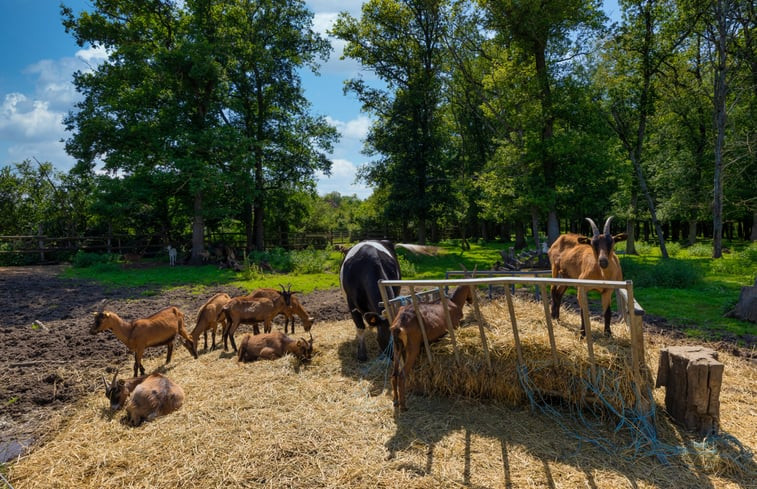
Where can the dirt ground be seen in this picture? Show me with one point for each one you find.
(49, 359)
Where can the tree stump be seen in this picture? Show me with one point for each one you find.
(746, 307)
(692, 376)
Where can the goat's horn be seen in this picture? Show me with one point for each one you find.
(105, 383)
(607, 226)
(101, 306)
(113, 382)
(594, 228)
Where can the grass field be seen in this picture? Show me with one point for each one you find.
(693, 292)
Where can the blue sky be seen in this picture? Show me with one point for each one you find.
(36, 91)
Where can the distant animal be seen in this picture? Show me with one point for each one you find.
(578, 257)
(208, 318)
(145, 397)
(408, 338)
(293, 306)
(171, 255)
(270, 346)
(363, 266)
(157, 330)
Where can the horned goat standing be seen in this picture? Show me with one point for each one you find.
(293, 306)
(578, 257)
(157, 330)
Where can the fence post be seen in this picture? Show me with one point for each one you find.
(420, 321)
(41, 242)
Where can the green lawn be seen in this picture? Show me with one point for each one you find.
(691, 291)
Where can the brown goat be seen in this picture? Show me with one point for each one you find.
(408, 339)
(248, 310)
(270, 346)
(157, 330)
(578, 257)
(293, 306)
(208, 317)
(145, 397)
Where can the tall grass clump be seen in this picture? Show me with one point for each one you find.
(741, 262)
(674, 248)
(670, 273)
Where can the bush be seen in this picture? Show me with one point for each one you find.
(309, 261)
(407, 267)
(700, 250)
(82, 259)
(674, 248)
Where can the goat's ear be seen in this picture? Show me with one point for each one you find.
(620, 237)
(584, 240)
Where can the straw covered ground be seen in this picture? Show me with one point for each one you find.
(330, 422)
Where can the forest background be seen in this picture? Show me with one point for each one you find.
(493, 120)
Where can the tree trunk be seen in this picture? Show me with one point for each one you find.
(692, 232)
(753, 236)
(198, 231)
(721, 89)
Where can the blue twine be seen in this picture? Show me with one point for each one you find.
(641, 427)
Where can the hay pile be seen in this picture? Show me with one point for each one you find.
(331, 424)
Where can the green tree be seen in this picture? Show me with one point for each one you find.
(536, 38)
(280, 144)
(402, 43)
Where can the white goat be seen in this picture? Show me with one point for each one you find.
(171, 255)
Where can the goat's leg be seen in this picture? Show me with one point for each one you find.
(557, 293)
(169, 351)
(205, 339)
(267, 326)
(138, 363)
(606, 299)
(232, 329)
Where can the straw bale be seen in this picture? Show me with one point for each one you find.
(330, 423)
(567, 380)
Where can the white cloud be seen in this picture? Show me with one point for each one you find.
(342, 180)
(26, 120)
(93, 55)
(355, 129)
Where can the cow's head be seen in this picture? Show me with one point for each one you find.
(602, 244)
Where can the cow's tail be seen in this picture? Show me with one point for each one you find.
(419, 249)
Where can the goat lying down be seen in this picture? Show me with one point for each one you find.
(145, 397)
(408, 339)
(270, 346)
(157, 330)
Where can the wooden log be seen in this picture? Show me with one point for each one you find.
(692, 376)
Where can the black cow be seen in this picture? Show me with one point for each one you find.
(364, 265)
